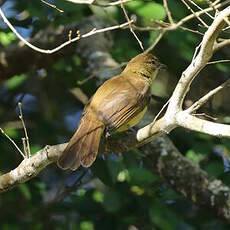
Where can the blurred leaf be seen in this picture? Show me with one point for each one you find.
(80, 192)
(34, 148)
(100, 169)
(137, 190)
(86, 225)
(114, 167)
(148, 11)
(15, 81)
(24, 188)
(223, 67)
(41, 187)
(225, 178)
(161, 216)
(123, 175)
(10, 226)
(141, 176)
(112, 201)
(98, 196)
(194, 157)
(12, 133)
(7, 38)
(214, 168)
(152, 36)
(226, 119)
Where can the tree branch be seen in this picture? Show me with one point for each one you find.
(174, 115)
(66, 43)
(51, 37)
(166, 160)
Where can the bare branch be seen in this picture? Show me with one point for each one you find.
(130, 26)
(195, 15)
(53, 6)
(94, 2)
(193, 3)
(12, 141)
(168, 12)
(218, 61)
(47, 51)
(188, 121)
(216, 4)
(82, 1)
(30, 167)
(205, 53)
(174, 115)
(206, 97)
(27, 143)
(221, 44)
(165, 27)
(175, 169)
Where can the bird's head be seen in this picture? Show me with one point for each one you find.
(145, 65)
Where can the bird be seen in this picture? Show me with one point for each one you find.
(117, 105)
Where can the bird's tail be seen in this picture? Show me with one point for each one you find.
(83, 146)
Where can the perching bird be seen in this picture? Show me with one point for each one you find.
(117, 105)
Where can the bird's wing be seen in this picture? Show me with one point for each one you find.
(124, 101)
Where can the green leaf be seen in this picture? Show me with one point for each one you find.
(25, 190)
(161, 216)
(100, 169)
(195, 157)
(12, 133)
(114, 168)
(15, 81)
(148, 11)
(41, 187)
(86, 225)
(214, 168)
(112, 201)
(141, 176)
(7, 38)
(153, 36)
(34, 148)
(223, 67)
(137, 190)
(98, 196)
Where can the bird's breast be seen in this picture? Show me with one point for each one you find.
(133, 121)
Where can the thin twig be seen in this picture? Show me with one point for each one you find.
(130, 26)
(162, 109)
(26, 142)
(47, 51)
(206, 97)
(198, 13)
(53, 6)
(12, 141)
(194, 13)
(193, 3)
(168, 12)
(158, 38)
(204, 115)
(179, 24)
(93, 2)
(216, 62)
(221, 44)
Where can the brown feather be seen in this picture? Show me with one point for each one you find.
(115, 105)
(83, 146)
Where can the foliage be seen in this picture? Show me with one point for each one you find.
(125, 191)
